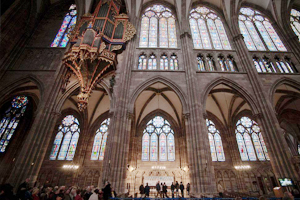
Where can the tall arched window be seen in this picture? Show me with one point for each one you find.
(152, 62)
(250, 140)
(215, 142)
(164, 62)
(258, 32)
(11, 119)
(173, 62)
(295, 22)
(100, 141)
(66, 139)
(158, 28)
(158, 141)
(207, 29)
(61, 39)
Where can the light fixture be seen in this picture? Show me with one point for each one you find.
(70, 167)
(158, 167)
(242, 167)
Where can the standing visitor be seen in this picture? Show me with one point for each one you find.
(161, 190)
(177, 188)
(188, 188)
(172, 189)
(88, 193)
(181, 189)
(94, 196)
(35, 194)
(78, 196)
(106, 191)
(157, 189)
(142, 190)
(22, 189)
(147, 190)
(165, 191)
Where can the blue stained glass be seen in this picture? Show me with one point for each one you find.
(215, 142)
(171, 147)
(72, 146)
(153, 148)
(145, 147)
(153, 32)
(222, 34)
(162, 147)
(61, 39)
(212, 147)
(274, 36)
(65, 146)
(242, 148)
(258, 148)
(144, 32)
(163, 33)
(172, 33)
(56, 146)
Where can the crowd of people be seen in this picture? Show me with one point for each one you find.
(48, 192)
(162, 190)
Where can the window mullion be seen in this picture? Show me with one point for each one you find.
(209, 36)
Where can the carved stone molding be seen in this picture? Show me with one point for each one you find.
(238, 37)
(186, 116)
(185, 34)
(130, 115)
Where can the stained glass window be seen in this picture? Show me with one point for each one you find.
(158, 141)
(231, 64)
(299, 149)
(210, 63)
(11, 119)
(201, 63)
(250, 140)
(66, 139)
(207, 29)
(100, 141)
(173, 62)
(142, 62)
(158, 28)
(164, 62)
(215, 142)
(152, 62)
(61, 39)
(267, 66)
(249, 22)
(295, 22)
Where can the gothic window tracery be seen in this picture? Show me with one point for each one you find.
(65, 142)
(11, 119)
(164, 63)
(250, 140)
(158, 142)
(258, 32)
(158, 28)
(207, 29)
(142, 62)
(61, 39)
(295, 21)
(100, 139)
(215, 142)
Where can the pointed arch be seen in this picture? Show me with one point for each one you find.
(235, 86)
(158, 79)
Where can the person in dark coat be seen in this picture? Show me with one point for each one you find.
(106, 191)
(157, 189)
(188, 187)
(181, 189)
(172, 189)
(142, 190)
(177, 188)
(165, 191)
(22, 189)
(147, 190)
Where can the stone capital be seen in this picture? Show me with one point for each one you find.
(185, 34)
(186, 115)
(238, 37)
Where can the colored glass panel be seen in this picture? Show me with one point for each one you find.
(61, 39)
(222, 34)
(162, 147)
(11, 119)
(103, 146)
(274, 36)
(172, 33)
(214, 34)
(204, 34)
(265, 36)
(248, 40)
(56, 146)
(258, 148)
(212, 147)
(257, 41)
(163, 33)
(144, 32)
(219, 147)
(153, 148)
(195, 34)
(72, 146)
(153, 32)
(145, 147)
(201, 65)
(65, 146)
(96, 146)
(171, 147)
(263, 144)
(242, 148)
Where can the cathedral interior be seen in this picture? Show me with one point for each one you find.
(205, 92)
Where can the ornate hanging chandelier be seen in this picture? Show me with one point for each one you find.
(96, 40)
